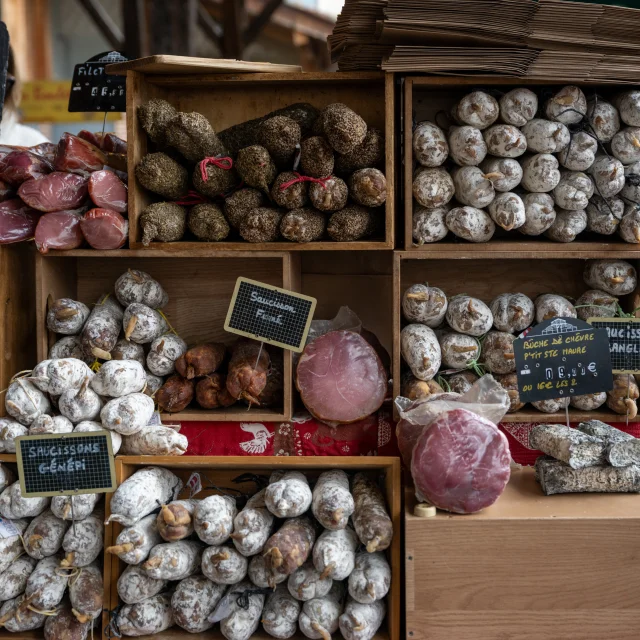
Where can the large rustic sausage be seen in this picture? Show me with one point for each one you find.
(13, 580)
(319, 617)
(307, 583)
(46, 586)
(280, 614)
(102, 328)
(334, 553)
(289, 547)
(127, 415)
(332, 503)
(11, 547)
(138, 286)
(288, 494)
(371, 578)
(174, 560)
(242, 622)
(135, 585)
(213, 519)
(16, 616)
(83, 506)
(13, 506)
(155, 440)
(119, 378)
(175, 520)
(148, 617)
(86, 592)
(193, 601)
(224, 565)
(44, 535)
(370, 519)
(361, 621)
(252, 526)
(134, 543)
(83, 542)
(262, 577)
(65, 626)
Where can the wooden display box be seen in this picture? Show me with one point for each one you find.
(200, 285)
(227, 100)
(531, 566)
(431, 98)
(486, 279)
(220, 471)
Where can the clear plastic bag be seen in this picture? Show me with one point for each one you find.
(57, 191)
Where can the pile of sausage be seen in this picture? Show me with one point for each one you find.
(50, 571)
(66, 194)
(555, 168)
(292, 557)
(462, 337)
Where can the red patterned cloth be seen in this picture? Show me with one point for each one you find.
(303, 436)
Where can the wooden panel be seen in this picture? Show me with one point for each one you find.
(563, 568)
(220, 471)
(17, 312)
(227, 100)
(199, 289)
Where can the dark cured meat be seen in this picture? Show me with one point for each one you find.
(108, 191)
(17, 221)
(201, 360)
(175, 394)
(106, 141)
(340, 378)
(93, 137)
(104, 229)
(45, 149)
(6, 191)
(59, 230)
(18, 166)
(76, 155)
(461, 463)
(248, 367)
(211, 392)
(56, 192)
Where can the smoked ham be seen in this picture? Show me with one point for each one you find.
(341, 378)
(17, 221)
(104, 229)
(107, 191)
(76, 155)
(21, 165)
(59, 230)
(54, 192)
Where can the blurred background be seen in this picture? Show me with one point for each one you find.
(49, 37)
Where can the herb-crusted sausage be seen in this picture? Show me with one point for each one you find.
(370, 519)
(332, 502)
(288, 494)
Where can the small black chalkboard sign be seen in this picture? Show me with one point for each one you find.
(624, 342)
(270, 314)
(93, 90)
(65, 464)
(560, 358)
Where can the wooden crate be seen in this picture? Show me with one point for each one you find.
(531, 566)
(227, 100)
(221, 470)
(200, 284)
(425, 98)
(485, 279)
(17, 318)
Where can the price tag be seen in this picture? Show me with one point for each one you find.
(8, 529)
(270, 314)
(624, 342)
(65, 464)
(562, 357)
(93, 90)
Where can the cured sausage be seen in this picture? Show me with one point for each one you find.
(370, 518)
(87, 426)
(65, 626)
(140, 494)
(193, 601)
(288, 494)
(25, 402)
(307, 583)
(143, 324)
(67, 316)
(135, 585)
(138, 286)
(252, 526)
(127, 415)
(14, 506)
(371, 578)
(201, 360)
(83, 505)
(79, 405)
(163, 354)
(7, 477)
(47, 424)
(118, 378)
(289, 547)
(155, 440)
(280, 614)
(44, 535)
(242, 622)
(224, 565)
(102, 328)
(213, 519)
(174, 560)
(9, 431)
(11, 547)
(15, 616)
(65, 374)
(134, 543)
(86, 593)
(83, 542)
(13, 580)
(45, 586)
(361, 621)
(319, 617)
(175, 520)
(148, 617)
(247, 373)
(421, 351)
(334, 553)
(261, 576)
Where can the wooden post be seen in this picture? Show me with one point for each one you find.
(172, 27)
(259, 21)
(135, 37)
(234, 18)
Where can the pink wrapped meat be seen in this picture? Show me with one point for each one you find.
(341, 378)
(6, 191)
(461, 462)
(56, 192)
(113, 144)
(45, 149)
(59, 230)
(104, 229)
(21, 165)
(17, 221)
(108, 191)
(75, 155)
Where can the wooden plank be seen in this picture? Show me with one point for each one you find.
(390, 164)
(408, 163)
(397, 326)
(166, 64)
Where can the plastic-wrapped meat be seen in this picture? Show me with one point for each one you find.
(54, 192)
(17, 221)
(45, 149)
(93, 137)
(76, 155)
(340, 378)
(113, 144)
(59, 230)
(6, 191)
(461, 463)
(18, 166)
(104, 229)
(108, 191)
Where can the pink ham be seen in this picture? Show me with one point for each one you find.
(104, 229)
(108, 191)
(6, 191)
(45, 149)
(59, 230)
(17, 221)
(20, 165)
(340, 378)
(56, 192)
(461, 462)
(113, 144)
(76, 155)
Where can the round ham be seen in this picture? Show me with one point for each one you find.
(104, 229)
(17, 221)
(108, 191)
(76, 155)
(55, 192)
(461, 462)
(20, 165)
(341, 378)
(59, 230)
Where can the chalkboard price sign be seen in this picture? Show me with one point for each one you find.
(560, 358)
(93, 90)
(624, 342)
(270, 314)
(65, 464)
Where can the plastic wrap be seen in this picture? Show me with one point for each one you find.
(45, 149)
(106, 141)
(6, 191)
(59, 230)
(17, 221)
(75, 155)
(108, 191)
(20, 165)
(55, 192)
(104, 229)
